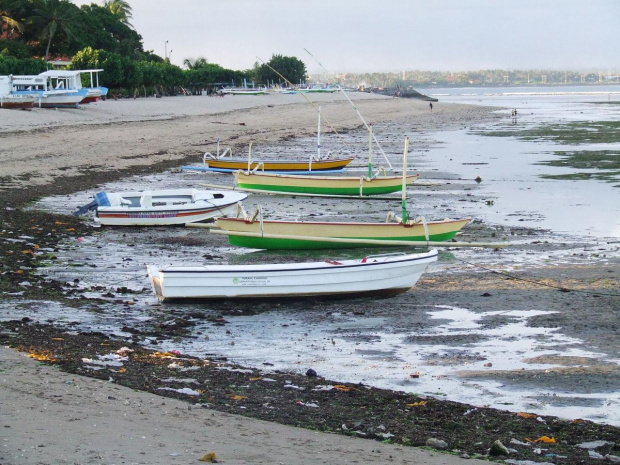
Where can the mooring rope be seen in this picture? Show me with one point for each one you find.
(539, 283)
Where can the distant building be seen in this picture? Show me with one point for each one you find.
(60, 62)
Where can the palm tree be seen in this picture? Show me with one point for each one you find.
(7, 7)
(52, 15)
(120, 9)
(195, 64)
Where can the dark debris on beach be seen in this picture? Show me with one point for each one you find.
(310, 401)
(303, 401)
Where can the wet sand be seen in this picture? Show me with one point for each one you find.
(128, 135)
(52, 417)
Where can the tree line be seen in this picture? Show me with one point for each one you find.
(489, 77)
(102, 37)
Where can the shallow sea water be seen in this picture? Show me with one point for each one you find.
(394, 343)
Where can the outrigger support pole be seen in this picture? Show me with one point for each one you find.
(358, 112)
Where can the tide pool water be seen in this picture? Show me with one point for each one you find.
(511, 175)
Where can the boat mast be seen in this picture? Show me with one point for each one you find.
(318, 141)
(307, 100)
(250, 157)
(370, 152)
(404, 192)
(354, 107)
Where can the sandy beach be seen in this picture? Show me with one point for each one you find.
(115, 135)
(52, 417)
(49, 416)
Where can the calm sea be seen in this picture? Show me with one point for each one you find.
(509, 166)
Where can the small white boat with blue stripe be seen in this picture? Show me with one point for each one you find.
(163, 207)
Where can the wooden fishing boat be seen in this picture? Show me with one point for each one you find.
(12, 100)
(244, 91)
(294, 235)
(319, 185)
(317, 89)
(47, 96)
(269, 234)
(275, 166)
(224, 163)
(164, 207)
(331, 185)
(72, 80)
(377, 275)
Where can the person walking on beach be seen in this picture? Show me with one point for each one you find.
(430, 104)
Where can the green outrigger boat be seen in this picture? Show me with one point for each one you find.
(295, 235)
(320, 185)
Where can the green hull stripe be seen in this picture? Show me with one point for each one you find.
(323, 190)
(293, 244)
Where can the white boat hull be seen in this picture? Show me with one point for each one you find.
(375, 275)
(162, 217)
(52, 99)
(166, 207)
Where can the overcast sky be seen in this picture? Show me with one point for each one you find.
(386, 35)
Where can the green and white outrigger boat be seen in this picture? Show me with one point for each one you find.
(331, 186)
(294, 235)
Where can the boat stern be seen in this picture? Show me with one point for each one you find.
(157, 281)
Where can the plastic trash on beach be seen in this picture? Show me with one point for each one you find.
(543, 439)
(343, 388)
(209, 457)
(187, 391)
(422, 403)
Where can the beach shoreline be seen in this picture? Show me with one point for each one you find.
(114, 135)
(79, 153)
